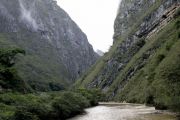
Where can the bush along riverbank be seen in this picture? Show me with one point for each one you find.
(18, 101)
(46, 106)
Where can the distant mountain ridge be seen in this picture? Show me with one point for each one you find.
(99, 52)
(57, 51)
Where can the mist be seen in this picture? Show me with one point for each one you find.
(26, 15)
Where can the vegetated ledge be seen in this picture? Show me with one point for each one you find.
(157, 82)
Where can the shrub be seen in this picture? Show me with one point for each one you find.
(6, 111)
(7, 56)
(93, 95)
(24, 115)
(69, 104)
(141, 42)
(177, 24)
(56, 86)
(175, 103)
(177, 14)
(45, 106)
(8, 74)
(160, 57)
(160, 106)
(150, 97)
(40, 110)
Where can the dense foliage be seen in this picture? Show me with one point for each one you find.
(9, 79)
(45, 106)
(19, 102)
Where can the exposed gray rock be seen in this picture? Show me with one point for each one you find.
(100, 53)
(135, 20)
(57, 49)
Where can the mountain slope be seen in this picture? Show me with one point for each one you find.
(57, 50)
(142, 66)
(100, 53)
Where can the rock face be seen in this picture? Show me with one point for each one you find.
(58, 52)
(140, 33)
(100, 53)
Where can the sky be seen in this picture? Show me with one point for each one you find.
(95, 18)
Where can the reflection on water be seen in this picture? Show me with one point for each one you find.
(123, 112)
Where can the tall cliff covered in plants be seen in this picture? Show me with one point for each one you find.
(57, 51)
(143, 64)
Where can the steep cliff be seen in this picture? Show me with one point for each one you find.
(142, 65)
(57, 51)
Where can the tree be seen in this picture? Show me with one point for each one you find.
(9, 78)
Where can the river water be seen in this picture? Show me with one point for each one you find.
(110, 111)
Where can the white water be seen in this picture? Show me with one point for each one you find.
(123, 112)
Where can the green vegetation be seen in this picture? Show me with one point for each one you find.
(157, 83)
(9, 79)
(132, 23)
(19, 102)
(151, 75)
(45, 76)
(177, 14)
(45, 106)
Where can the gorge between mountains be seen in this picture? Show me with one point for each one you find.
(49, 70)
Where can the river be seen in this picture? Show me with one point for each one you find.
(114, 111)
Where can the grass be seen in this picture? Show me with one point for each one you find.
(98, 68)
(154, 42)
(158, 80)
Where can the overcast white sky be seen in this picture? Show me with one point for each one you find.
(95, 18)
